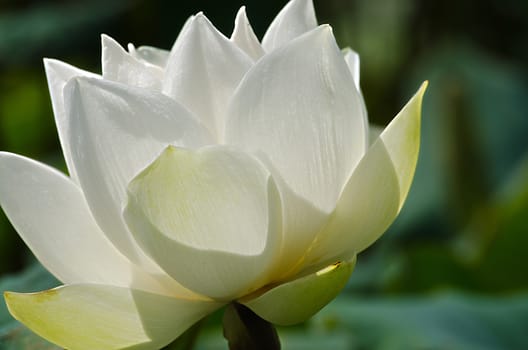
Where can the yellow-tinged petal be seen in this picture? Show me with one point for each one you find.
(89, 316)
(210, 218)
(402, 140)
(376, 190)
(296, 301)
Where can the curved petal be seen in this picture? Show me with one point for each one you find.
(87, 317)
(203, 70)
(295, 19)
(352, 60)
(58, 73)
(299, 106)
(301, 221)
(149, 54)
(402, 139)
(209, 218)
(49, 212)
(296, 301)
(119, 65)
(376, 190)
(117, 130)
(244, 36)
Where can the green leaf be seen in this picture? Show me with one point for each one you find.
(448, 321)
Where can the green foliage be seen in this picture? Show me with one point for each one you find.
(445, 321)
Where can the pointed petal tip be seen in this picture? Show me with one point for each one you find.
(200, 19)
(418, 96)
(107, 41)
(241, 11)
(326, 27)
(8, 297)
(324, 32)
(199, 16)
(423, 88)
(106, 38)
(51, 64)
(322, 29)
(241, 15)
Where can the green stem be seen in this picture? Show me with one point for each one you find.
(245, 330)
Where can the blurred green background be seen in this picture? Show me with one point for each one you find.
(451, 273)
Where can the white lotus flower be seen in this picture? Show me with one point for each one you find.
(226, 169)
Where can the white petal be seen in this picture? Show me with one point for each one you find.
(203, 70)
(296, 18)
(149, 54)
(296, 301)
(210, 218)
(402, 140)
(376, 190)
(301, 223)
(119, 65)
(49, 212)
(352, 60)
(88, 317)
(299, 106)
(244, 36)
(58, 73)
(116, 131)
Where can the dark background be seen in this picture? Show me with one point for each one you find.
(452, 272)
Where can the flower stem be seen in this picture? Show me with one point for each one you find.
(245, 330)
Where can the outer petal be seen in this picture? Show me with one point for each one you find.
(119, 65)
(244, 36)
(58, 74)
(376, 190)
(210, 218)
(203, 70)
(352, 60)
(301, 223)
(149, 54)
(117, 131)
(296, 18)
(87, 317)
(50, 214)
(299, 106)
(296, 301)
